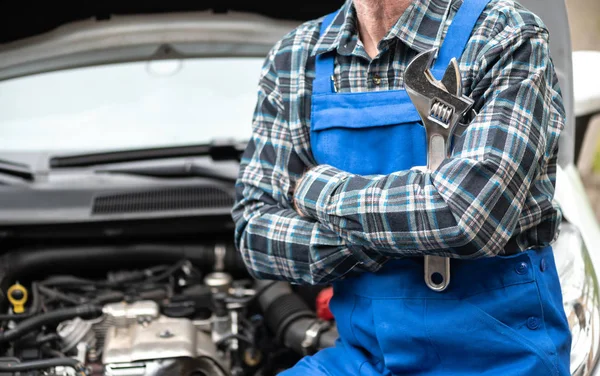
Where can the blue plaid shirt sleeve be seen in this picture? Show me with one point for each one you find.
(471, 205)
(274, 241)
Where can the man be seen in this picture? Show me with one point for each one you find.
(330, 190)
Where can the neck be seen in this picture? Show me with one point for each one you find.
(375, 19)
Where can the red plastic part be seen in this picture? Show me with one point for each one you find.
(322, 304)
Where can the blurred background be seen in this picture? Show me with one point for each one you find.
(584, 19)
(584, 22)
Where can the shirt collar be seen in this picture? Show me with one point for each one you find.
(343, 27)
(418, 27)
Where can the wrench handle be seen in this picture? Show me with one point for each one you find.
(437, 272)
(437, 269)
(436, 151)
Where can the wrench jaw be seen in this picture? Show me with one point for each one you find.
(440, 105)
(451, 80)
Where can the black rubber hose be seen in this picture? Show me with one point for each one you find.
(31, 262)
(50, 318)
(45, 338)
(328, 338)
(41, 364)
(108, 297)
(51, 293)
(281, 306)
(289, 317)
(286, 314)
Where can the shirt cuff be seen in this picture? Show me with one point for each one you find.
(313, 194)
(368, 260)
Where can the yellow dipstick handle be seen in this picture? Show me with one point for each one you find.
(17, 296)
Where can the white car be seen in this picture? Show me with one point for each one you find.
(120, 143)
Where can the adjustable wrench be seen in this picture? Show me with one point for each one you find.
(440, 105)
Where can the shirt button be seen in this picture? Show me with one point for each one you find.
(543, 265)
(521, 268)
(533, 323)
(377, 79)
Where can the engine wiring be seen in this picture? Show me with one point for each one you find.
(64, 305)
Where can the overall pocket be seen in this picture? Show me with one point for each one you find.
(497, 332)
(400, 328)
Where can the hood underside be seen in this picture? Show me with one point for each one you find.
(49, 38)
(19, 20)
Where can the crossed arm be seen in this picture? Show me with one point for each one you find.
(469, 207)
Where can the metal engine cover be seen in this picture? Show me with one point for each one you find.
(167, 367)
(162, 338)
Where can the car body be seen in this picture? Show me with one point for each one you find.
(120, 147)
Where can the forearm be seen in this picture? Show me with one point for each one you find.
(277, 243)
(417, 213)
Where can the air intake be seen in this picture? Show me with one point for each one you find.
(172, 199)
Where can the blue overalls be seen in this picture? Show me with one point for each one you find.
(500, 316)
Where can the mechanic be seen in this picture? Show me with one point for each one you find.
(332, 190)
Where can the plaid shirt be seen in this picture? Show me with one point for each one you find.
(493, 196)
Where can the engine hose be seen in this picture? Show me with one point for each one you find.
(328, 338)
(51, 293)
(41, 364)
(290, 318)
(108, 297)
(49, 318)
(204, 256)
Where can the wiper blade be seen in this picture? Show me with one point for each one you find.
(20, 170)
(183, 170)
(218, 151)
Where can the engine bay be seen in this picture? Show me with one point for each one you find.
(186, 310)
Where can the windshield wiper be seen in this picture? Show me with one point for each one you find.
(185, 169)
(218, 151)
(20, 170)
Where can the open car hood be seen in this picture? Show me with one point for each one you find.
(94, 33)
(19, 20)
(49, 37)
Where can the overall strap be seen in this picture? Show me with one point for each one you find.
(324, 63)
(458, 34)
(454, 43)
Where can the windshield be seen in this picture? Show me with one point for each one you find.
(130, 105)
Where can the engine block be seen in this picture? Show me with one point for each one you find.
(139, 340)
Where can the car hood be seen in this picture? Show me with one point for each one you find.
(21, 20)
(50, 38)
(91, 33)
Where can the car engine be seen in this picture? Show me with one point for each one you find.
(163, 319)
